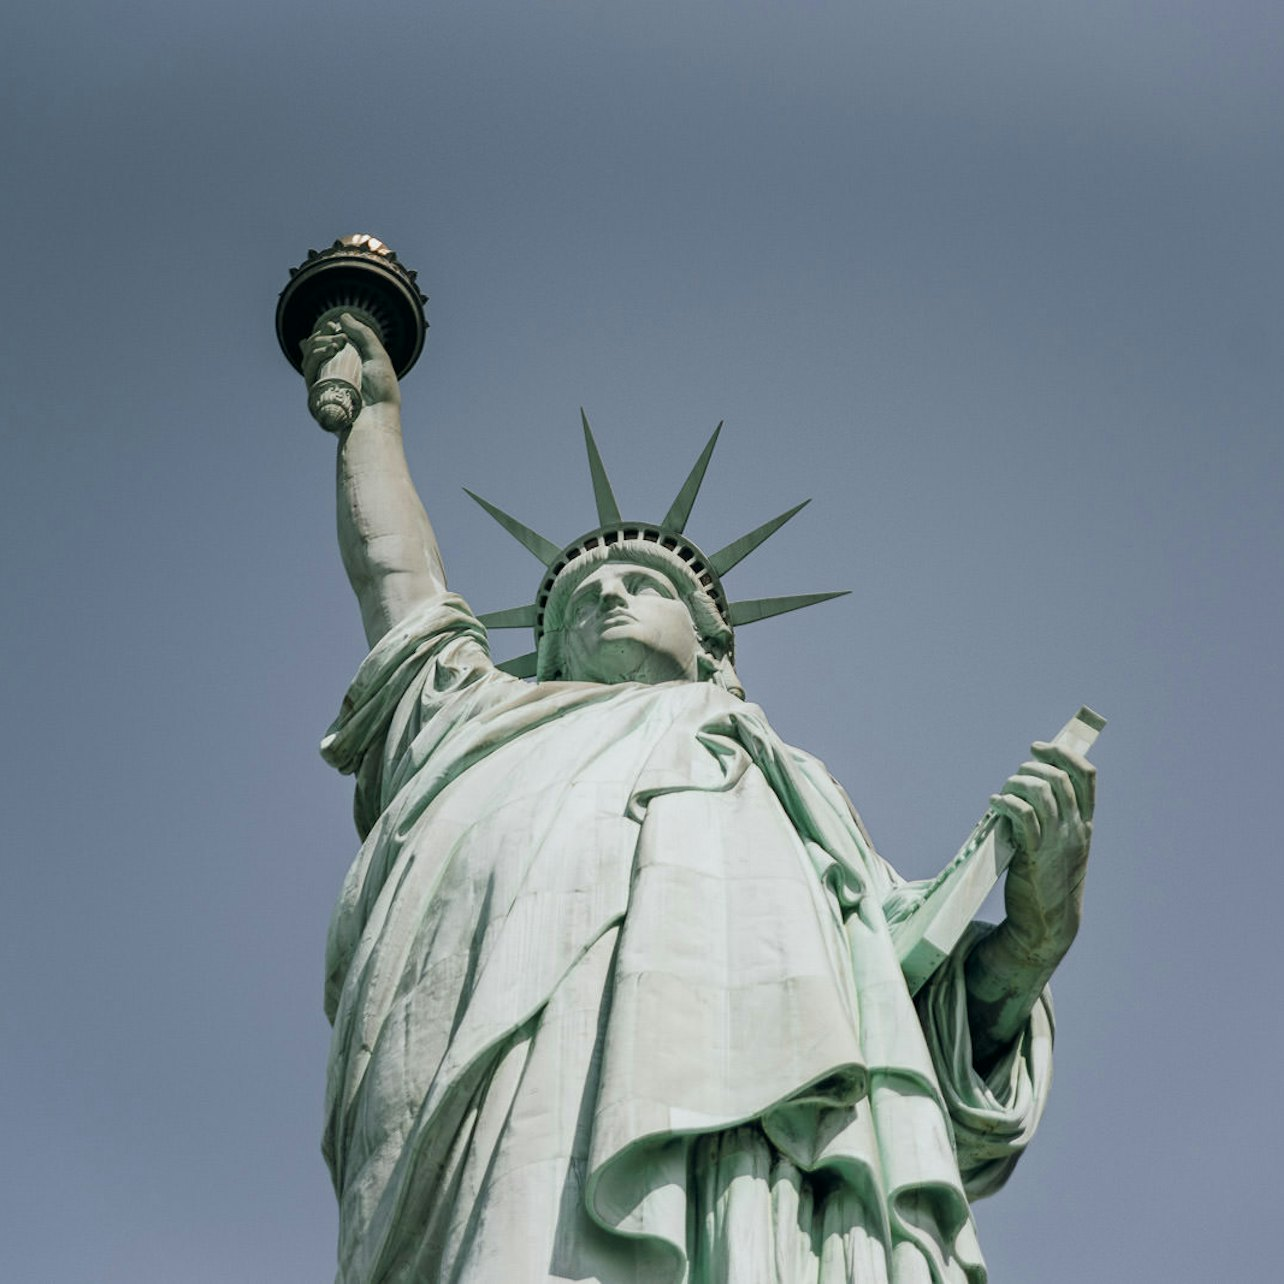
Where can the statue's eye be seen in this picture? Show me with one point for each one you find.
(644, 584)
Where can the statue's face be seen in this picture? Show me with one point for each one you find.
(626, 623)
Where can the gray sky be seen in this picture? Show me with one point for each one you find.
(996, 284)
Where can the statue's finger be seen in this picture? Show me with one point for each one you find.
(1039, 794)
(1025, 824)
(359, 332)
(1083, 775)
(321, 351)
(316, 353)
(335, 338)
(1060, 783)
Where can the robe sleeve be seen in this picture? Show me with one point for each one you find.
(995, 1115)
(418, 668)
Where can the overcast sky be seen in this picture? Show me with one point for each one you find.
(996, 284)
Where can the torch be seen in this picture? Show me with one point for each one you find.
(359, 275)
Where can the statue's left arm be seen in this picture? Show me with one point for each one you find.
(1049, 805)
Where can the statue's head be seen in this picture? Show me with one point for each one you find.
(633, 612)
(636, 601)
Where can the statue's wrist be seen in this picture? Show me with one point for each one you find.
(381, 416)
(1039, 943)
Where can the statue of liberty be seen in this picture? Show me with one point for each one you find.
(613, 980)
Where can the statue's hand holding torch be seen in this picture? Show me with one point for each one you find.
(351, 321)
(346, 368)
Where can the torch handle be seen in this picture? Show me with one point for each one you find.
(335, 396)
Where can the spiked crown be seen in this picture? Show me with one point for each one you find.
(667, 535)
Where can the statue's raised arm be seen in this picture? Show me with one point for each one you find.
(385, 538)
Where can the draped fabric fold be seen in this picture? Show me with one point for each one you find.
(614, 998)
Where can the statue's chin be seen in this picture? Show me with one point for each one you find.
(628, 660)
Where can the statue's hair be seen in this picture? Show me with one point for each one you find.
(715, 661)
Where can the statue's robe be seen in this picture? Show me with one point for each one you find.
(614, 999)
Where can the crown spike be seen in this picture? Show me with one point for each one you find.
(735, 552)
(544, 549)
(676, 518)
(763, 608)
(521, 666)
(517, 617)
(608, 511)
